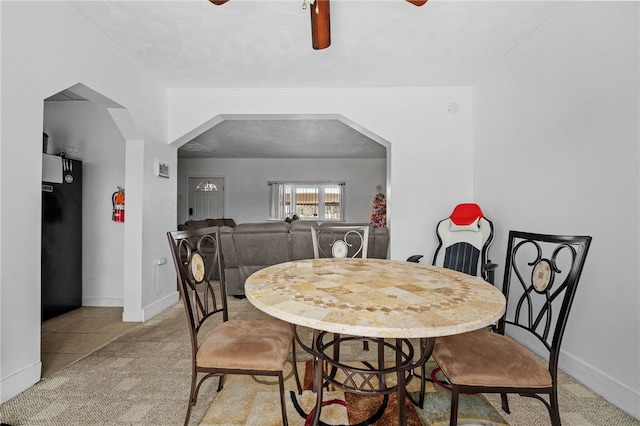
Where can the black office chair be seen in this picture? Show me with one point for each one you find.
(243, 346)
(464, 239)
(540, 282)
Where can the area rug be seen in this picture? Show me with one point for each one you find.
(254, 400)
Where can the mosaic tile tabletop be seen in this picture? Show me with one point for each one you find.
(375, 297)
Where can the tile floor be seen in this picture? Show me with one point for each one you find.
(71, 336)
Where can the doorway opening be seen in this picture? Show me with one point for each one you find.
(84, 147)
(259, 148)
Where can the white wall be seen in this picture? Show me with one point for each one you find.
(247, 193)
(425, 141)
(90, 128)
(158, 282)
(556, 142)
(46, 47)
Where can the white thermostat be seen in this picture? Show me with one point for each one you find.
(162, 169)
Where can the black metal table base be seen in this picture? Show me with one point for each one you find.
(370, 380)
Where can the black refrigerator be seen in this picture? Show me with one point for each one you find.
(61, 277)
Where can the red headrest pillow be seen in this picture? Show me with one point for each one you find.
(466, 214)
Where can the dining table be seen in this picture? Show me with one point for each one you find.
(392, 303)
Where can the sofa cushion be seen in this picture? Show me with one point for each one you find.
(262, 227)
(221, 222)
(229, 257)
(301, 243)
(378, 243)
(259, 245)
(197, 224)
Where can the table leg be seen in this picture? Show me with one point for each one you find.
(316, 362)
(402, 396)
(364, 380)
(317, 383)
(426, 348)
(381, 378)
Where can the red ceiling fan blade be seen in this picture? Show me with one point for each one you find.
(415, 2)
(320, 24)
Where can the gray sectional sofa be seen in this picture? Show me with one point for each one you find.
(249, 247)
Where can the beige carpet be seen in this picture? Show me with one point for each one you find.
(248, 400)
(142, 378)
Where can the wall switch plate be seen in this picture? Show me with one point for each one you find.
(162, 169)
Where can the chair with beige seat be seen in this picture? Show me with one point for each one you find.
(540, 282)
(341, 241)
(219, 346)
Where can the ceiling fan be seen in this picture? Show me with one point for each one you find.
(320, 20)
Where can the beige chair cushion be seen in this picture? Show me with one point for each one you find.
(484, 358)
(247, 344)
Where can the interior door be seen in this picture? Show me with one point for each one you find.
(206, 198)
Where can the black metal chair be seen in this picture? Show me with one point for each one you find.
(540, 281)
(243, 346)
(340, 241)
(464, 239)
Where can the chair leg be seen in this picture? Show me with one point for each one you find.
(192, 397)
(381, 378)
(505, 403)
(186, 419)
(455, 393)
(336, 355)
(423, 383)
(283, 402)
(295, 367)
(221, 383)
(554, 410)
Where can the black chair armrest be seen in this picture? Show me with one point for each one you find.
(489, 271)
(490, 266)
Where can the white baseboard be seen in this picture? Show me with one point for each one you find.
(20, 381)
(158, 306)
(103, 301)
(611, 389)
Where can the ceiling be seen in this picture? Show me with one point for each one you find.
(267, 44)
(282, 137)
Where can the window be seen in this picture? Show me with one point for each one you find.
(308, 200)
(206, 186)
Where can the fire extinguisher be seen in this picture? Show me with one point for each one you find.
(117, 199)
